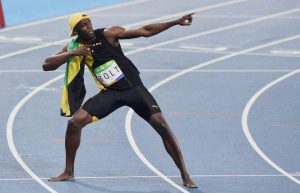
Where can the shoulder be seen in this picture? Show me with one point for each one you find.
(114, 31)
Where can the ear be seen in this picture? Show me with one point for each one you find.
(76, 30)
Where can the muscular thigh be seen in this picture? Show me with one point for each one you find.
(102, 104)
(142, 102)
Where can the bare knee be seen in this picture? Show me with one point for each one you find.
(159, 123)
(79, 120)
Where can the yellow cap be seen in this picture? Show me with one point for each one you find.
(75, 19)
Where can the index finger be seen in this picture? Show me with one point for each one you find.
(190, 14)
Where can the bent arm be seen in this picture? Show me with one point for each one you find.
(55, 61)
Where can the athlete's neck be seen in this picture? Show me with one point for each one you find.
(89, 41)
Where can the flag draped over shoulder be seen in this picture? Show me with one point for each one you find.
(74, 91)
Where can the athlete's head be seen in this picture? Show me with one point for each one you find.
(81, 25)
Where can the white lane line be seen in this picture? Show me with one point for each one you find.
(217, 52)
(234, 16)
(59, 42)
(32, 49)
(27, 43)
(9, 133)
(166, 42)
(31, 88)
(197, 10)
(247, 133)
(27, 71)
(133, 2)
(20, 39)
(286, 52)
(21, 103)
(221, 70)
(204, 48)
(172, 70)
(166, 80)
(138, 152)
(228, 27)
(169, 176)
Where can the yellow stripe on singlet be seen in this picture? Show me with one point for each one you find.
(89, 62)
(94, 119)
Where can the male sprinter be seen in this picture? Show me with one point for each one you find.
(118, 80)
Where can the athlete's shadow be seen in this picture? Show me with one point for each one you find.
(106, 190)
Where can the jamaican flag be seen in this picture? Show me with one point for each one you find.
(74, 91)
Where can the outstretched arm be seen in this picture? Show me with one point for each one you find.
(55, 61)
(116, 33)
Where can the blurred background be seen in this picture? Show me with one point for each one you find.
(17, 12)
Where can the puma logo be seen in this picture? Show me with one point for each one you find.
(155, 106)
(94, 45)
(98, 43)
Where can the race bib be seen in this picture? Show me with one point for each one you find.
(109, 73)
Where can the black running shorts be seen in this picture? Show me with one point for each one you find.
(106, 101)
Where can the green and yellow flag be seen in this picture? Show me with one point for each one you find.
(74, 91)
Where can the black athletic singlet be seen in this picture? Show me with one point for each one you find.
(111, 67)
